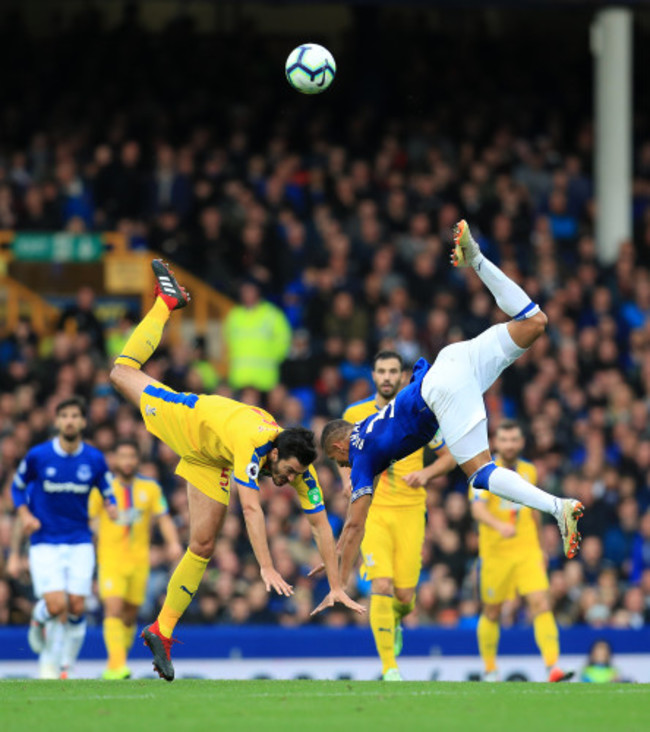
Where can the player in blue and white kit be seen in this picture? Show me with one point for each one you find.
(449, 394)
(50, 492)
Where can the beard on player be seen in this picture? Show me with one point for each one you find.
(388, 389)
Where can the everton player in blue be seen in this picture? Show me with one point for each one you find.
(50, 491)
(449, 394)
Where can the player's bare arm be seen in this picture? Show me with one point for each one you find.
(352, 535)
(256, 528)
(29, 522)
(481, 513)
(325, 542)
(443, 464)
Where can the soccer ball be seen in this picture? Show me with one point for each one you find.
(310, 68)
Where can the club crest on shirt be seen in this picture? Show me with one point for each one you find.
(84, 473)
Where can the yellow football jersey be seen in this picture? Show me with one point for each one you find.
(526, 540)
(213, 431)
(127, 540)
(392, 490)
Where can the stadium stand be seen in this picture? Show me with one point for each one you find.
(340, 211)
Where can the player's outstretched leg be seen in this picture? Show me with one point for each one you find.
(508, 295)
(126, 376)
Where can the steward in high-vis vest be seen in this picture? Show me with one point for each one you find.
(258, 337)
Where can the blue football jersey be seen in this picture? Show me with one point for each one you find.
(403, 426)
(56, 486)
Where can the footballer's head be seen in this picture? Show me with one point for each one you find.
(509, 440)
(387, 370)
(335, 441)
(70, 420)
(294, 450)
(126, 459)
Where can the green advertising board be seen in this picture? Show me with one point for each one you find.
(59, 247)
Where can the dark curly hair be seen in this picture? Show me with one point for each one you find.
(296, 442)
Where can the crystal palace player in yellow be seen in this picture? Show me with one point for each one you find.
(216, 439)
(392, 543)
(511, 560)
(123, 551)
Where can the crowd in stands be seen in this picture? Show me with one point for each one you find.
(338, 211)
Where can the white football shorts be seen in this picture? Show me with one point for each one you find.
(454, 387)
(62, 567)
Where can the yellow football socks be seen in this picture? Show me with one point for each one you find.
(129, 636)
(382, 622)
(488, 640)
(145, 338)
(181, 589)
(402, 609)
(114, 641)
(546, 637)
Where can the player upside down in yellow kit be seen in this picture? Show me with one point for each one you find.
(216, 439)
(123, 549)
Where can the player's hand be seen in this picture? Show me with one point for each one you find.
(273, 579)
(413, 479)
(112, 511)
(316, 570)
(30, 523)
(174, 552)
(507, 531)
(338, 596)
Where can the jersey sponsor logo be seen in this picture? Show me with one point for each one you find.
(129, 516)
(253, 471)
(84, 473)
(149, 410)
(50, 472)
(67, 487)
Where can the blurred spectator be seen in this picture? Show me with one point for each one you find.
(599, 668)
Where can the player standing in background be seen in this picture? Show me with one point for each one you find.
(392, 543)
(511, 560)
(449, 395)
(50, 492)
(123, 551)
(216, 437)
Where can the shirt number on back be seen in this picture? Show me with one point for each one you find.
(387, 411)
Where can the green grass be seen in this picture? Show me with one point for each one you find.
(311, 706)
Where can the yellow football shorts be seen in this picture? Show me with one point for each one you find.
(129, 583)
(502, 578)
(392, 544)
(168, 418)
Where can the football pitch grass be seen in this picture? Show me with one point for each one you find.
(312, 706)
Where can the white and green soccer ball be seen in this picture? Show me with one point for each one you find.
(310, 68)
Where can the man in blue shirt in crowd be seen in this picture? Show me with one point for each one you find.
(50, 492)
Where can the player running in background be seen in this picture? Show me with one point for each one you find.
(392, 543)
(511, 560)
(123, 551)
(216, 438)
(449, 395)
(50, 492)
